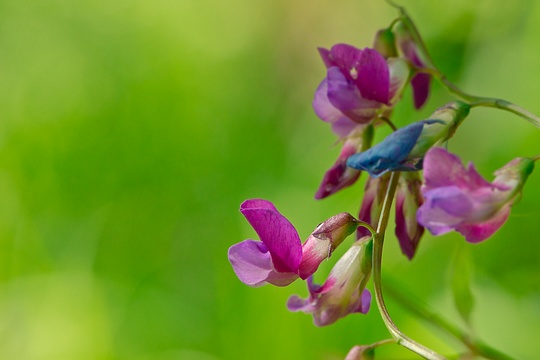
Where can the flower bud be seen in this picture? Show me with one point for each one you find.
(385, 43)
(408, 200)
(324, 240)
(404, 149)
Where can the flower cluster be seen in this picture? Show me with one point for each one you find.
(431, 187)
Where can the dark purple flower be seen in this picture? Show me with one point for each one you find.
(343, 292)
(340, 175)
(359, 85)
(280, 258)
(404, 149)
(408, 200)
(458, 198)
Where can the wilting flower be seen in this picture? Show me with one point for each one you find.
(408, 200)
(343, 292)
(458, 198)
(340, 175)
(411, 49)
(370, 210)
(280, 258)
(359, 85)
(404, 149)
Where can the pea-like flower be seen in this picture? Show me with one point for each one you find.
(404, 149)
(408, 199)
(280, 258)
(340, 175)
(359, 85)
(344, 290)
(458, 198)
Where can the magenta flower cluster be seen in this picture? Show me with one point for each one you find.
(434, 191)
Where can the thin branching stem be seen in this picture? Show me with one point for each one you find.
(378, 243)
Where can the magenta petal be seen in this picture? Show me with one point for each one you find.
(477, 232)
(339, 175)
(346, 57)
(373, 76)
(408, 231)
(276, 232)
(325, 56)
(252, 263)
(420, 85)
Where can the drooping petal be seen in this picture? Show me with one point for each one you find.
(339, 175)
(476, 232)
(420, 85)
(276, 232)
(373, 79)
(408, 200)
(252, 263)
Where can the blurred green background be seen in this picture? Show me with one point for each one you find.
(131, 131)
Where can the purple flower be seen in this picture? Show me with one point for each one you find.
(280, 258)
(340, 175)
(404, 149)
(458, 198)
(359, 85)
(408, 200)
(343, 292)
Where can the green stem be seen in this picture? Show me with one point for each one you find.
(487, 101)
(453, 89)
(419, 308)
(378, 243)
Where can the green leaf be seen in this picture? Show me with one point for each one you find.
(461, 280)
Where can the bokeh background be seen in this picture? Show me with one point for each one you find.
(130, 132)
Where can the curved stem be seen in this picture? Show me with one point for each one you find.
(430, 68)
(418, 307)
(378, 243)
(487, 101)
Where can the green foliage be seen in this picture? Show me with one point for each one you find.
(131, 131)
